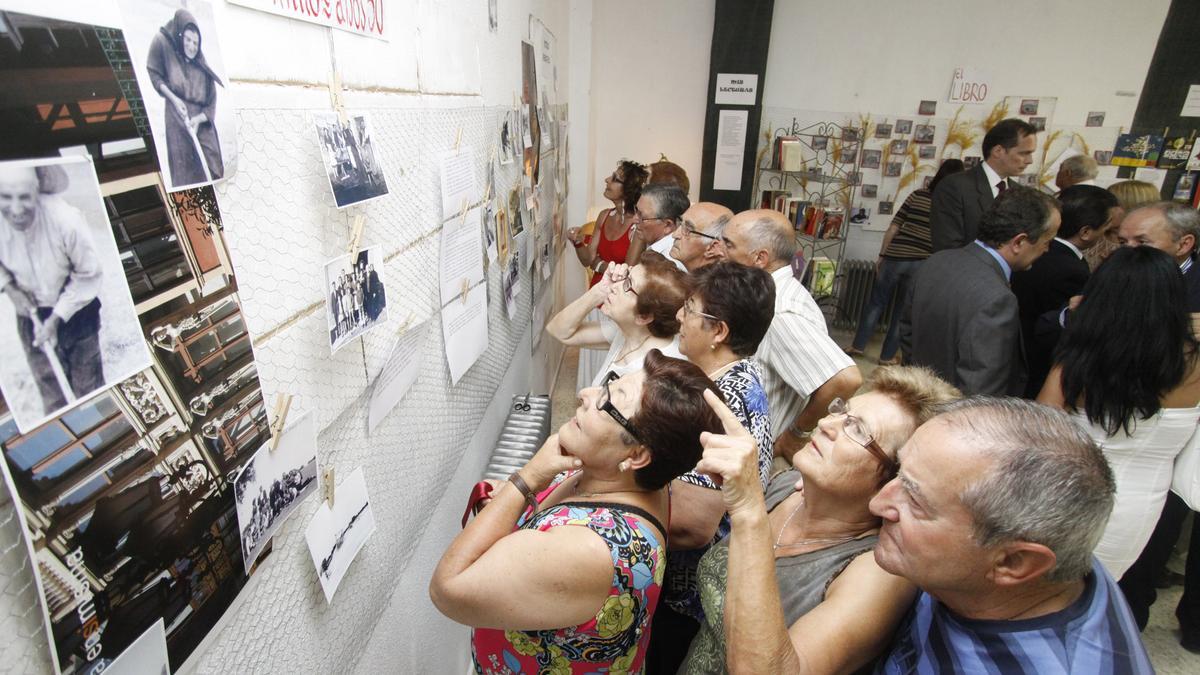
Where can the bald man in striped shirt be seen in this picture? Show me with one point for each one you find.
(803, 368)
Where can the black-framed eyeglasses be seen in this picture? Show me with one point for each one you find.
(627, 286)
(857, 431)
(689, 231)
(689, 307)
(605, 404)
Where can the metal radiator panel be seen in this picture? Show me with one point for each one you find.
(527, 427)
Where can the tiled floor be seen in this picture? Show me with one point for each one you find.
(1161, 637)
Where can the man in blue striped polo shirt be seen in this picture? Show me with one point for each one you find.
(994, 515)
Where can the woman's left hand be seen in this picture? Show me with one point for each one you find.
(731, 459)
(546, 464)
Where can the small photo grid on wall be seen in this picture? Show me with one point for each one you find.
(871, 159)
(870, 191)
(923, 133)
(848, 153)
(885, 208)
(927, 151)
(927, 108)
(893, 169)
(904, 127)
(883, 130)
(899, 147)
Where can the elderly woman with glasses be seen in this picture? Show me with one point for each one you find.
(795, 586)
(721, 324)
(561, 572)
(642, 302)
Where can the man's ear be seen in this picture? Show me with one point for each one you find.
(761, 258)
(1187, 244)
(1021, 562)
(714, 251)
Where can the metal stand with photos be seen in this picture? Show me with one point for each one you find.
(811, 174)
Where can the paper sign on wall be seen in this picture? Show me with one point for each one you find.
(364, 18)
(731, 149)
(1191, 105)
(968, 85)
(734, 89)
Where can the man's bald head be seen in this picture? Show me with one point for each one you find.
(19, 195)
(761, 238)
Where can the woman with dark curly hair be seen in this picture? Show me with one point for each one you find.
(560, 572)
(609, 241)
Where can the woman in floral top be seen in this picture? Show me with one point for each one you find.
(561, 574)
(721, 325)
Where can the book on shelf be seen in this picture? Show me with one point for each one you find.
(787, 154)
(796, 211)
(831, 224)
(813, 220)
(824, 271)
(768, 198)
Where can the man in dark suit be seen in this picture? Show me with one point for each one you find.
(962, 199)
(1089, 214)
(963, 321)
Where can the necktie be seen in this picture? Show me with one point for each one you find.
(1001, 186)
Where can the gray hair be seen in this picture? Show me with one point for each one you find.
(1181, 220)
(766, 233)
(1082, 167)
(670, 201)
(1049, 482)
(1019, 210)
(717, 227)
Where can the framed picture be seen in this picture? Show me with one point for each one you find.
(904, 127)
(927, 108)
(1029, 106)
(923, 133)
(883, 131)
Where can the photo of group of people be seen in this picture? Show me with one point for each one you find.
(357, 298)
(348, 150)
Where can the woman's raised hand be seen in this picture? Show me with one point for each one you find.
(731, 459)
(548, 463)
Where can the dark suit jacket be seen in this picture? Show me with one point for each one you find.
(963, 323)
(958, 204)
(1046, 287)
(1192, 279)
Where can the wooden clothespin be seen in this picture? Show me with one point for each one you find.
(283, 402)
(327, 486)
(466, 288)
(335, 97)
(355, 234)
(404, 326)
(457, 139)
(463, 213)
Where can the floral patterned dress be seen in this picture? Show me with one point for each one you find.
(615, 640)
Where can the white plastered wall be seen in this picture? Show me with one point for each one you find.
(442, 71)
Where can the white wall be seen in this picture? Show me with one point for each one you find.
(883, 57)
(649, 77)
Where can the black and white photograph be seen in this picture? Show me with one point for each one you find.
(820, 142)
(348, 150)
(870, 190)
(927, 108)
(871, 159)
(893, 169)
(510, 282)
(489, 231)
(971, 162)
(508, 138)
(146, 656)
(860, 214)
(849, 153)
(356, 297)
(515, 222)
(899, 147)
(850, 135)
(67, 319)
(923, 133)
(1095, 119)
(1102, 157)
(176, 56)
(883, 131)
(903, 127)
(854, 177)
(927, 151)
(885, 208)
(272, 485)
(1029, 106)
(337, 533)
(1039, 123)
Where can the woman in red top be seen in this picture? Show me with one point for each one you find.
(622, 188)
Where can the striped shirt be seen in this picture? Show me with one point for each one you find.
(797, 354)
(912, 240)
(1095, 634)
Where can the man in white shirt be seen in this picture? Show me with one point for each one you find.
(51, 274)
(657, 214)
(803, 368)
(961, 199)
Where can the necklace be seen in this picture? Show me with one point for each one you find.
(622, 357)
(722, 370)
(804, 542)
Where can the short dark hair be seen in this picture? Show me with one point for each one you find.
(1020, 210)
(670, 418)
(1130, 341)
(670, 201)
(633, 179)
(1007, 134)
(948, 167)
(741, 296)
(666, 171)
(662, 293)
(1084, 206)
